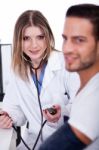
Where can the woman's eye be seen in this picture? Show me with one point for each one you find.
(25, 38)
(41, 37)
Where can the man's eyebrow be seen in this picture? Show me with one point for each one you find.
(64, 36)
(78, 36)
(74, 36)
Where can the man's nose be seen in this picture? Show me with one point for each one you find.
(68, 47)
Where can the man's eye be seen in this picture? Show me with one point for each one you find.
(80, 40)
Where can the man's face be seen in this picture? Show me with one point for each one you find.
(79, 44)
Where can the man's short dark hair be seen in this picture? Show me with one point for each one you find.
(87, 11)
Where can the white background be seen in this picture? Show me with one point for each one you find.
(54, 11)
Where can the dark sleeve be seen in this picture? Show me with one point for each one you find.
(63, 139)
(94, 145)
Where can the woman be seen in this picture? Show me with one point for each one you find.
(38, 81)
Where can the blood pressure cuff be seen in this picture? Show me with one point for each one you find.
(63, 139)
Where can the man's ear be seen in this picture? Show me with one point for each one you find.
(98, 48)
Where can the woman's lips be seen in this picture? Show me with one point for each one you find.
(34, 52)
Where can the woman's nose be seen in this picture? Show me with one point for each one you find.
(34, 43)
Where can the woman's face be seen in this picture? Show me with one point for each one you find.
(34, 44)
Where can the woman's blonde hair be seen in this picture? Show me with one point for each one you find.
(26, 19)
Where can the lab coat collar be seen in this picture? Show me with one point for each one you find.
(54, 64)
(53, 61)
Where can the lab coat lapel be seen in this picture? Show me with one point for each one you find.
(49, 75)
(32, 86)
(52, 67)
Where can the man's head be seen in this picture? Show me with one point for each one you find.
(88, 11)
(81, 37)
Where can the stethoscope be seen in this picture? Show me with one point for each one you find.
(28, 60)
(25, 57)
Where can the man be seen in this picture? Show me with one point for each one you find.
(81, 53)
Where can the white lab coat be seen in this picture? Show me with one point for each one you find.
(21, 100)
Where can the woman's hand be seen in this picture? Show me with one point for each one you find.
(5, 120)
(53, 118)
